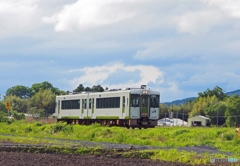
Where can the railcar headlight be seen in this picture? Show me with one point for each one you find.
(145, 92)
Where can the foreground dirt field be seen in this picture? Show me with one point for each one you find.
(26, 155)
(23, 159)
(9, 157)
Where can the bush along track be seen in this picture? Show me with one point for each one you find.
(159, 136)
(163, 138)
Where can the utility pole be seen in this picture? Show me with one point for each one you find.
(217, 113)
(165, 118)
(172, 115)
(177, 119)
(183, 118)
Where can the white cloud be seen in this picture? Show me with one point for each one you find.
(97, 75)
(197, 23)
(92, 13)
(230, 7)
(17, 7)
(153, 50)
(214, 78)
(17, 17)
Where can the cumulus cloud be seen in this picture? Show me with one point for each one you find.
(197, 23)
(16, 16)
(92, 13)
(17, 7)
(97, 75)
(230, 7)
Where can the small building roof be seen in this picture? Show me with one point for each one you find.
(204, 117)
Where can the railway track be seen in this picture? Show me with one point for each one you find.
(198, 149)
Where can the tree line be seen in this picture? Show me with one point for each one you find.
(38, 99)
(220, 108)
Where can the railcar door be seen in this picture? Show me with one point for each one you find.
(144, 106)
(89, 111)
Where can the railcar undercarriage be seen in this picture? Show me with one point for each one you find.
(134, 123)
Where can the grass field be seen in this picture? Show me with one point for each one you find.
(159, 136)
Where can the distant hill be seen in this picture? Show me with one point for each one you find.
(176, 102)
(236, 92)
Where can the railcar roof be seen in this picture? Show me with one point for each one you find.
(111, 91)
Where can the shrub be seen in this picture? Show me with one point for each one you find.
(28, 129)
(60, 126)
(37, 124)
(3, 117)
(18, 116)
(228, 136)
(177, 132)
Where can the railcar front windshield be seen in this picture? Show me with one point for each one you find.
(154, 101)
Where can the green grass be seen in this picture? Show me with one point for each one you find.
(159, 136)
(174, 136)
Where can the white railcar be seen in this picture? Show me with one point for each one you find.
(129, 107)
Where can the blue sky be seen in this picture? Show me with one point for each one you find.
(179, 47)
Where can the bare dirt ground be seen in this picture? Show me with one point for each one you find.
(12, 158)
(16, 154)
(23, 156)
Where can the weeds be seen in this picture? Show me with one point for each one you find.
(160, 136)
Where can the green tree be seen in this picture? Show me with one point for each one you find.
(217, 91)
(163, 109)
(44, 99)
(184, 110)
(19, 91)
(3, 107)
(173, 108)
(201, 104)
(97, 88)
(3, 117)
(45, 85)
(87, 89)
(17, 104)
(216, 109)
(232, 110)
(80, 88)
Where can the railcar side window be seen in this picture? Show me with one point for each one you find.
(90, 103)
(93, 103)
(114, 103)
(70, 104)
(85, 104)
(111, 102)
(134, 100)
(123, 101)
(154, 101)
(82, 103)
(118, 102)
